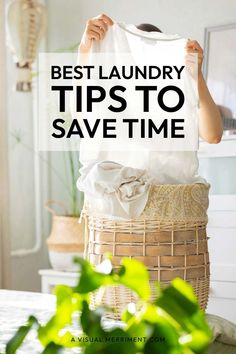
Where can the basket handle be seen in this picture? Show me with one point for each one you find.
(55, 202)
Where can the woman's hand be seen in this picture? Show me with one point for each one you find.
(193, 47)
(95, 29)
(210, 122)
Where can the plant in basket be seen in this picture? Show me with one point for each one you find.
(66, 236)
(66, 239)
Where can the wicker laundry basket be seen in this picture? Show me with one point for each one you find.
(169, 238)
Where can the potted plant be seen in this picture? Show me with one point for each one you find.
(171, 323)
(66, 238)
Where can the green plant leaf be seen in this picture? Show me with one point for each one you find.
(91, 320)
(183, 296)
(163, 339)
(174, 319)
(114, 342)
(138, 329)
(198, 341)
(62, 292)
(16, 341)
(52, 348)
(185, 289)
(67, 304)
(90, 279)
(153, 314)
(134, 275)
(178, 301)
(126, 316)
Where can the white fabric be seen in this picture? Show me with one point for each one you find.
(164, 167)
(223, 330)
(114, 189)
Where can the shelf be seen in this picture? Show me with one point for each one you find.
(226, 148)
(224, 137)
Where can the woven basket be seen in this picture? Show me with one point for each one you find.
(169, 238)
(66, 239)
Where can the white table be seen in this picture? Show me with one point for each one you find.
(50, 278)
(15, 308)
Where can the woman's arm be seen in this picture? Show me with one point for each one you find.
(210, 121)
(95, 29)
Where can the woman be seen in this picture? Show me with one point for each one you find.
(157, 199)
(210, 122)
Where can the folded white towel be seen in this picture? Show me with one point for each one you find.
(122, 191)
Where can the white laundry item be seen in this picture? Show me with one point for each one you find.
(115, 190)
(164, 167)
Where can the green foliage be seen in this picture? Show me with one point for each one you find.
(16, 341)
(133, 274)
(90, 280)
(172, 324)
(71, 170)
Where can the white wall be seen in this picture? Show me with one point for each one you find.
(66, 21)
(4, 191)
(22, 176)
(188, 18)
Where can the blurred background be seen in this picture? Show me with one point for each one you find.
(30, 179)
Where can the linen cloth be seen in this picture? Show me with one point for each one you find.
(116, 190)
(165, 167)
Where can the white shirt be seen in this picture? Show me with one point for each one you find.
(164, 167)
